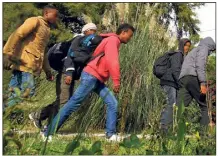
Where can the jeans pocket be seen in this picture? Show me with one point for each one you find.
(87, 79)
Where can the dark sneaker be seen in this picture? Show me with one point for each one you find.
(37, 123)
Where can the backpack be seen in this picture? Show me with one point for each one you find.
(57, 53)
(82, 49)
(161, 64)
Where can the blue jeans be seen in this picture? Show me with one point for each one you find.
(167, 113)
(20, 82)
(88, 84)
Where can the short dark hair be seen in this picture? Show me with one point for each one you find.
(124, 27)
(45, 8)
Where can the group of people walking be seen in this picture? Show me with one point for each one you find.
(93, 59)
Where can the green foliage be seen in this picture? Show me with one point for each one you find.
(183, 15)
(71, 147)
(14, 14)
(11, 138)
(132, 142)
(211, 68)
(95, 149)
(93, 10)
(21, 11)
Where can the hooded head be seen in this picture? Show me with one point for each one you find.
(184, 45)
(208, 42)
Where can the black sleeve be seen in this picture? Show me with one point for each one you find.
(69, 66)
(176, 65)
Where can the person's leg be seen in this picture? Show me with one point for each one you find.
(184, 96)
(46, 111)
(167, 113)
(27, 85)
(14, 80)
(14, 88)
(111, 103)
(66, 90)
(38, 116)
(87, 84)
(194, 89)
(65, 94)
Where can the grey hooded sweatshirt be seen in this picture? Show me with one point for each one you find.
(195, 62)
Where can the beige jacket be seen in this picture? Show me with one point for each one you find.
(27, 45)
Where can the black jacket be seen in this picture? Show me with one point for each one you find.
(171, 77)
(81, 53)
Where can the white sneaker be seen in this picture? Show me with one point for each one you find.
(114, 138)
(44, 138)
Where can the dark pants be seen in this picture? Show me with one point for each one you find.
(167, 113)
(63, 93)
(191, 89)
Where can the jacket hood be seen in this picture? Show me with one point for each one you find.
(182, 43)
(209, 42)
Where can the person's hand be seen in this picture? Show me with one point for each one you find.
(49, 76)
(203, 89)
(68, 79)
(116, 89)
(7, 62)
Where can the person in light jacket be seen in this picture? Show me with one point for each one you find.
(193, 77)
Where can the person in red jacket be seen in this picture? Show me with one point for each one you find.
(92, 79)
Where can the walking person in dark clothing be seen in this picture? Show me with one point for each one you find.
(169, 82)
(193, 77)
(64, 88)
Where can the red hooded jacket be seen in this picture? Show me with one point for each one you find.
(108, 65)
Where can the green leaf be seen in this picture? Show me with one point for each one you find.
(165, 150)
(134, 138)
(181, 130)
(149, 152)
(17, 142)
(135, 142)
(96, 147)
(17, 91)
(71, 147)
(126, 143)
(86, 152)
(5, 142)
(181, 109)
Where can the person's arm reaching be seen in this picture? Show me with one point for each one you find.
(47, 69)
(69, 68)
(112, 59)
(201, 61)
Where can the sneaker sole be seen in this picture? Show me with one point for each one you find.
(31, 118)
